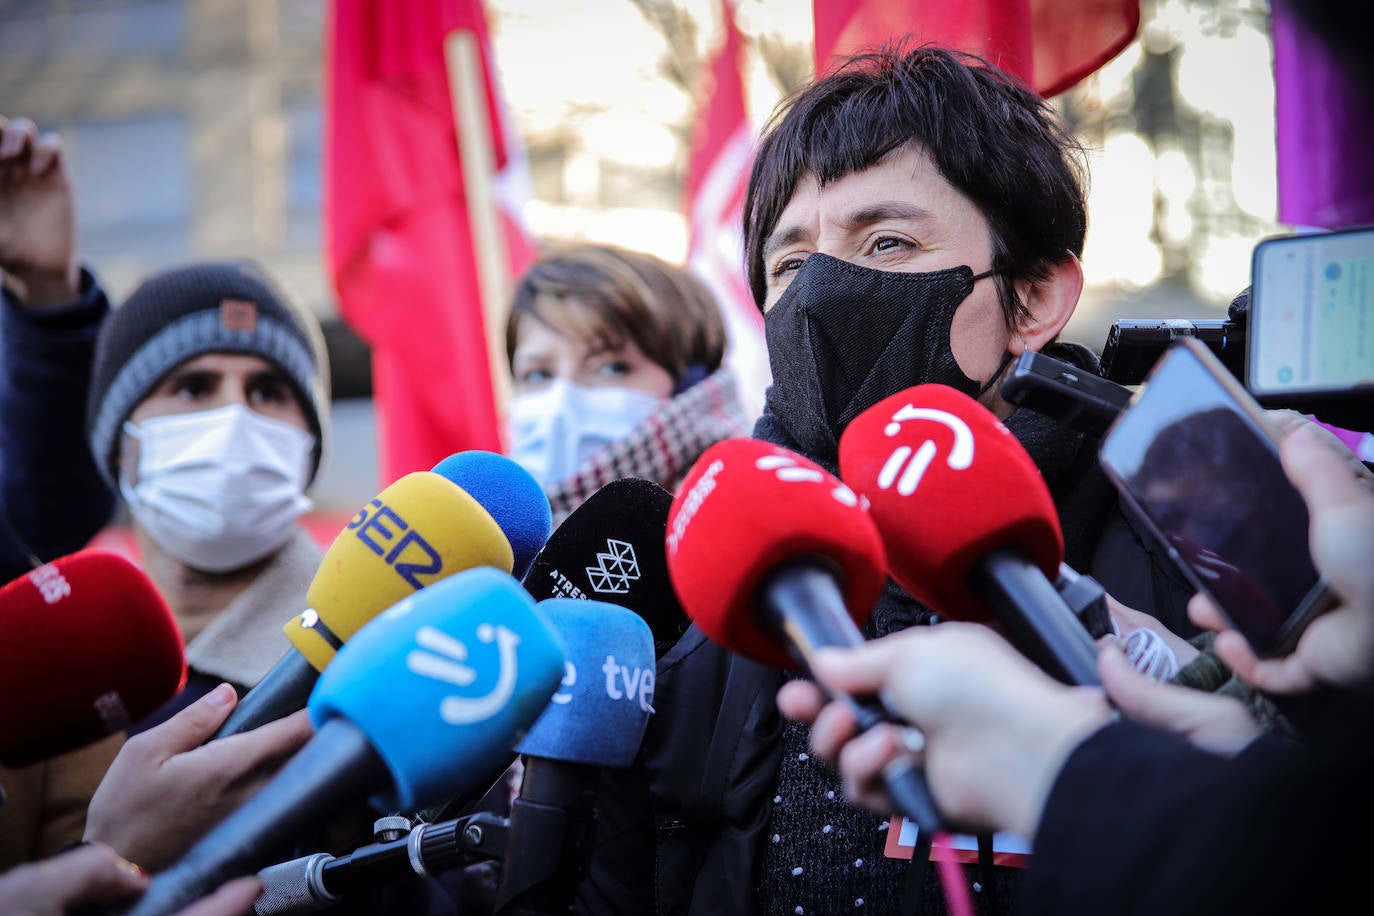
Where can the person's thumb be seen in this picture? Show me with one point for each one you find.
(193, 726)
(1138, 696)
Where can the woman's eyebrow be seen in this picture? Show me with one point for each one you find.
(885, 210)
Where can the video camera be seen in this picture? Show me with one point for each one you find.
(1300, 337)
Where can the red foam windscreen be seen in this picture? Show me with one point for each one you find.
(87, 646)
(947, 484)
(746, 508)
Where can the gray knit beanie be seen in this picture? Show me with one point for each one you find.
(183, 313)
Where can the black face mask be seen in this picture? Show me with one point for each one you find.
(843, 337)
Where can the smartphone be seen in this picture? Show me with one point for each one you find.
(1074, 397)
(1194, 462)
(1134, 345)
(1311, 319)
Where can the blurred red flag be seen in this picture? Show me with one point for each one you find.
(404, 243)
(717, 177)
(1052, 44)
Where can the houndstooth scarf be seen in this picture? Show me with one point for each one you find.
(662, 448)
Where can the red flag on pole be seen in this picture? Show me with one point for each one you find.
(1052, 44)
(421, 229)
(717, 177)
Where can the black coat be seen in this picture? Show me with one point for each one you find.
(681, 832)
(1140, 821)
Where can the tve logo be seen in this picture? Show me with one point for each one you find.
(370, 526)
(444, 662)
(904, 467)
(786, 469)
(638, 683)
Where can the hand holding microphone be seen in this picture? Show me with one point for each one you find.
(429, 693)
(774, 558)
(997, 729)
(167, 786)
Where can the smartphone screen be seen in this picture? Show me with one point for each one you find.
(1312, 313)
(1191, 457)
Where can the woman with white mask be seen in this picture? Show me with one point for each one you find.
(208, 410)
(616, 362)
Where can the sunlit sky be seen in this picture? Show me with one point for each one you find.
(607, 84)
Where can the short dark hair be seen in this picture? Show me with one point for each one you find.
(609, 295)
(990, 136)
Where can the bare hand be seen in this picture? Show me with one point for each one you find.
(95, 874)
(85, 875)
(997, 729)
(37, 218)
(165, 790)
(1213, 722)
(234, 898)
(1338, 647)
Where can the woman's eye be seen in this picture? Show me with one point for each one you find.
(890, 243)
(614, 367)
(787, 264)
(533, 377)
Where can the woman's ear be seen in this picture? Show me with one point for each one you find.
(1051, 303)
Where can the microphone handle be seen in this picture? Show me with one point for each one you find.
(802, 603)
(293, 887)
(551, 824)
(1035, 616)
(283, 690)
(317, 881)
(337, 763)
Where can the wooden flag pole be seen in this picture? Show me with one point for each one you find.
(467, 91)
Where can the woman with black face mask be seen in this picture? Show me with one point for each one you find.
(914, 216)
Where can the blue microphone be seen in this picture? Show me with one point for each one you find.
(598, 714)
(434, 689)
(512, 496)
(596, 718)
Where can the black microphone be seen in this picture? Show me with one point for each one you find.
(611, 549)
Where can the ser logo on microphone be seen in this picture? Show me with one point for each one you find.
(370, 526)
(444, 661)
(905, 467)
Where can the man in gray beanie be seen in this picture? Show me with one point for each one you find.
(207, 411)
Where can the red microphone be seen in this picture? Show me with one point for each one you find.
(967, 520)
(774, 558)
(87, 646)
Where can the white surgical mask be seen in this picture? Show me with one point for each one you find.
(218, 489)
(557, 428)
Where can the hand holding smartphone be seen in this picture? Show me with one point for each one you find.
(1192, 457)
